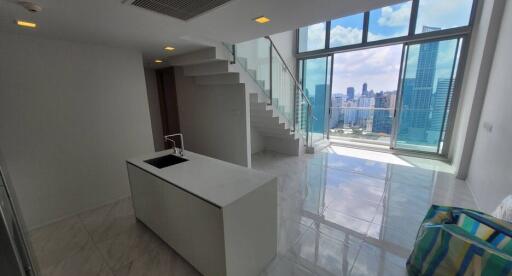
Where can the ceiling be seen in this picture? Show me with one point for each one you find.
(110, 22)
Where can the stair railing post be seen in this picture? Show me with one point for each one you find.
(233, 51)
(270, 61)
(294, 106)
(308, 119)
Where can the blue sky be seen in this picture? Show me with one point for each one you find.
(380, 67)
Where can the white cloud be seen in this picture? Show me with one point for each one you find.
(341, 36)
(379, 67)
(445, 14)
(395, 17)
(315, 36)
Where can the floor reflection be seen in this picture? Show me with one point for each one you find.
(345, 215)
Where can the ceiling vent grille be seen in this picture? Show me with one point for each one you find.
(182, 9)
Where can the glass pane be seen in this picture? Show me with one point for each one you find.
(283, 88)
(254, 57)
(389, 22)
(435, 15)
(312, 37)
(316, 88)
(427, 86)
(347, 30)
(364, 94)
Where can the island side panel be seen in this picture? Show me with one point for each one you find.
(250, 231)
(190, 225)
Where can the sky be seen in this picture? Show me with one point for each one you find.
(379, 67)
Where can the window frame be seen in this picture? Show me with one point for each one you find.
(462, 32)
(410, 37)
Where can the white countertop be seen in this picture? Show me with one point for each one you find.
(216, 181)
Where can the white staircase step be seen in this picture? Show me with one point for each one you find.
(200, 56)
(218, 87)
(206, 69)
(226, 78)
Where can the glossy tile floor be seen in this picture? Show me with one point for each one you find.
(341, 212)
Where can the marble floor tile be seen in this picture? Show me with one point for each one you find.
(376, 260)
(157, 262)
(87, 261)
(346, 222)
(129, 246)
(338, 214)
(110, 220)
(284, 266)
(323, 255)
(57, 241)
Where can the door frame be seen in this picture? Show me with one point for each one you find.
(459, 66)
(328, 80)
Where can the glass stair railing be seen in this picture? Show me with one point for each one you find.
(263, 62)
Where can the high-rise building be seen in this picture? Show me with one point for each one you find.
(422, 90)
(406, 106)
(349, 113)
(441, 99)
(318, 106)
(364, 92)
(382, 118)
(336, 119)
(350, 93)
(365, 112)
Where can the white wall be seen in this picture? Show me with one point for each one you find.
(490, 174)
(285, 44)
(257, 143)
(476, 75)
(70, 115)
(154, 109)
(214, 119)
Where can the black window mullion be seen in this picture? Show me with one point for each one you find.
(327, 34)
(366, 23)
(414, 17)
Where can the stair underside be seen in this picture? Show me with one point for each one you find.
(209, 68)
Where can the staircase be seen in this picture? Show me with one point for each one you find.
(215, 68)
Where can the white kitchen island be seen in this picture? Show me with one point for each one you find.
(222, 218)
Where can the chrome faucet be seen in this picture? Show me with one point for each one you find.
(169, 138)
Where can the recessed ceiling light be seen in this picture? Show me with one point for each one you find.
(158, 61)
(26, 24)
(169, 48)
(262, 19)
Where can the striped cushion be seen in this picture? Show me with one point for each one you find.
(474, 227)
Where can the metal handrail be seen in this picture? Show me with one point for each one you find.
(309, 117)
(297, 83)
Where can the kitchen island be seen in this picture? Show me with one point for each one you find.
(222, 218)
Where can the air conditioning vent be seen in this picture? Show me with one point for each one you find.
(182, 9)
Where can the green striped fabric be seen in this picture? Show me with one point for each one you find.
(456, 241)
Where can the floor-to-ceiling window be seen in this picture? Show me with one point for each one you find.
(364, 90)
(316, 84)
(427, 87)
(394, 73)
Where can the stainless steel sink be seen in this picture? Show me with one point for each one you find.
(165, 161)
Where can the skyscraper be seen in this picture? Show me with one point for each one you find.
(382, 118)
(336, 110)
(422, 90)
(406, 107)
(350, 93)
(441, 99)
(365, 112)
(364, 92)
(318, 106)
